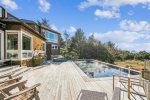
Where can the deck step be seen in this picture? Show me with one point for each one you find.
(23, 70)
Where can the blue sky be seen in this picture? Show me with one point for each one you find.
(124, 22)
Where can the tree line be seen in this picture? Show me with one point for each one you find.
(80, 47)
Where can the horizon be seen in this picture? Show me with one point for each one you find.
(125, 23)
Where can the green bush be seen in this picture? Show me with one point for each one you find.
(35, 61)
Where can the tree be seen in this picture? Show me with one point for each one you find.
(77, 41)
(44, 22)
(67, 39)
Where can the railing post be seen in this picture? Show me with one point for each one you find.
(113, 82)
(129, 88)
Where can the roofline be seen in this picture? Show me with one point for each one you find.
(49, 29)
(27, 26)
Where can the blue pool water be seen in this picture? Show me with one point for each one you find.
(96, 69)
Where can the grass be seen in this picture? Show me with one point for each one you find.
(135, 64)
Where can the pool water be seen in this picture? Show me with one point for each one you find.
(95, 69)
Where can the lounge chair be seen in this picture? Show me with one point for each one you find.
(92, 95)
(24, 93)
(8, 75)
(9, 81)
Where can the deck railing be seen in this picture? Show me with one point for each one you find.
(131, 80)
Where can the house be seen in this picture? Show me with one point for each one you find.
(20, 41)
(2, 28)
(52, 37)
(52, 41)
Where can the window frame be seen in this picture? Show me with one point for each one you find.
(23, 35)
(28, 52)
(48, 37)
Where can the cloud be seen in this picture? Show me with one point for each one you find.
(53, 27)
(9, 4)
(71, 29)
(112, 3)
(132, 35)
(106, 14)
(44, 5)
(112, 6)
(125, 40)
(135, 46)
(134, 25)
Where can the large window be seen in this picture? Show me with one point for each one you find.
(51, 37)
(26, 42)
(12, 41)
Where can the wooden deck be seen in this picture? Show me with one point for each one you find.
(64, 82)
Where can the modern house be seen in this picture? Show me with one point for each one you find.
(21, 39)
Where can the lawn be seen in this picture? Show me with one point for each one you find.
(135, 64)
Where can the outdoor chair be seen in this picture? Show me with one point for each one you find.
(8, 75)
(9, 81)
(92, 95)
(21, 92)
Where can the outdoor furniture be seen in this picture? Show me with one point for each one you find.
(92, 95)
(23, 93)
(116, 94)
(9, 81)
(8, 75)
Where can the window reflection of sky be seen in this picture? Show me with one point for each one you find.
(51, 37)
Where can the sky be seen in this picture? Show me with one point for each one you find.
(124, 22)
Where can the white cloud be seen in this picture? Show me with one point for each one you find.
(106, 14)
(135, 46)
(112, 3)
(9, 4)
(125, 40)
(113, 6)
(44, 5)
(132, 35)
(71, 29)
(54, 27)
(134, 25)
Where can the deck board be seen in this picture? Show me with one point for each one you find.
(64, 82)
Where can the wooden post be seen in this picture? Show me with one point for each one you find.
(149, 90)
(129, 88)
(113, 82)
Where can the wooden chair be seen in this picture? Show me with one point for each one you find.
(8, 75)
(24, 93)
(9, 81)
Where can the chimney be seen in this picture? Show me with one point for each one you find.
(3, 12)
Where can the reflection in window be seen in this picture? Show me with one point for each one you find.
(12, 41)
(51, 37)
(26, 43)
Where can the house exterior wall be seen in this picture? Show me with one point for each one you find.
(49, 50)
(36, 43)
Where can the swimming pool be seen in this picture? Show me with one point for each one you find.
(98, 69)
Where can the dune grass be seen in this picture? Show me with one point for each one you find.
(135, 64)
